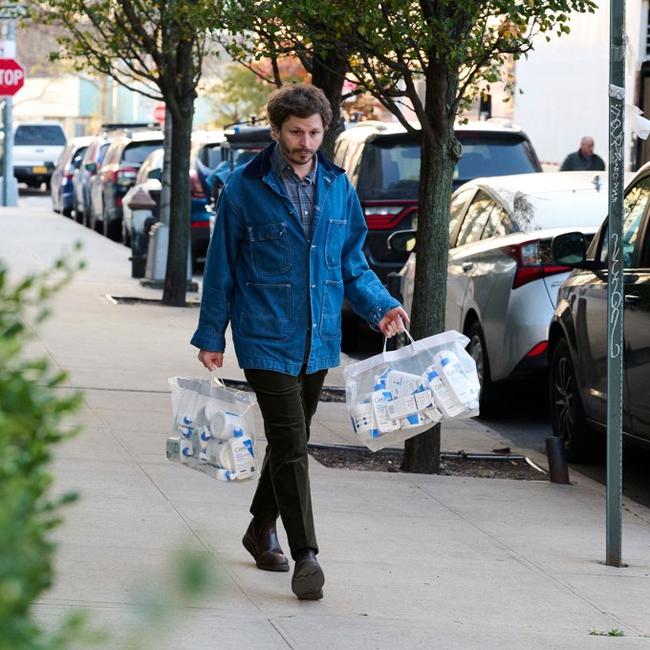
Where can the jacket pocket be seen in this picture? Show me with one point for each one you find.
(270, 250)
(266, 311)
(334, 240)
(330, 319)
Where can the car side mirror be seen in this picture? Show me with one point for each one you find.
(569, 249)
(91, 167)
(402, 241)
(156, 174)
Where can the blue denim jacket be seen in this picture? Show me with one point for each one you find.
(264, 276)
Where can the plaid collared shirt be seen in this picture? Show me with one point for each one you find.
(301, 192)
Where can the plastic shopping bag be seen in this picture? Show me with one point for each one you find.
(396, 395)
(214, 428)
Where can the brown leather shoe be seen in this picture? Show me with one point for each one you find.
(308, 578)
(262, 543)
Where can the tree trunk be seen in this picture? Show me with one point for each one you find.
(166, 189)
(439, 151)
(180, 205)
(328, 74)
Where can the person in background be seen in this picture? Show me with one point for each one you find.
(286, 250)
(583, 160)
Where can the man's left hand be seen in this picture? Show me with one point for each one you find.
(393, 322)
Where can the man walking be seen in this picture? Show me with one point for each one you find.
(583, 160)
(286, 250)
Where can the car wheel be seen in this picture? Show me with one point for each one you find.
(126, 239)
(489, 396)
(567, 414)
(96, 224)
(78, 214)
(112, 229)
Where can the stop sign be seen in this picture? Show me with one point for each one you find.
(12, 77)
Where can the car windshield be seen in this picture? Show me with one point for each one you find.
(390, 167)
(137, 152)
(493, 155)
(33, 134)
(78, 157)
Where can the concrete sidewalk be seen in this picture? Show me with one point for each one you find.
(410, 560)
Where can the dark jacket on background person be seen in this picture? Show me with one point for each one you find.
(576, 162)
(278, 288)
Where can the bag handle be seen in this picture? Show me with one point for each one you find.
(407, 334)
(217, 381)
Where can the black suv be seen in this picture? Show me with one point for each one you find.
(382, 161)
(117, 174)
(578, 331)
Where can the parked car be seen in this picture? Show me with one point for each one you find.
(83, 178)
(382, 161)
(117, 174)
(37, 147)
(578, 340)
(501, 281)
(69, 162)
(149, 179)
(206, 154)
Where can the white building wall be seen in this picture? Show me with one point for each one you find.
(565, 84)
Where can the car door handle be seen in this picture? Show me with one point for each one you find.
(468, 266)
(632, 300)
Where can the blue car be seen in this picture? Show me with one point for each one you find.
(149, 180)
(206, 154)
(61, 182)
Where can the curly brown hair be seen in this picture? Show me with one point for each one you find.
(301, 100)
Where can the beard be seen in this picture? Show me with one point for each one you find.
(297, 155)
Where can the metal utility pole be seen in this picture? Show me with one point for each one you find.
(9, 184)
(615, 289)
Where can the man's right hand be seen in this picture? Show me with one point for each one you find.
(211, 360)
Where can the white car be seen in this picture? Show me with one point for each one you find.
(502, 283)
(37, 147)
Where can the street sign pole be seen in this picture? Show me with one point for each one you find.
(9, 184)
(615, 288)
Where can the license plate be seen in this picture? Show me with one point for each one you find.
(39, 170)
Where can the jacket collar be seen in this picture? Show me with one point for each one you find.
(260, 166)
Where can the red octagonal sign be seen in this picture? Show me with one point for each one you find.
(12, 77)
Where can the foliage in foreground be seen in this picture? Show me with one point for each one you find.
(32, 414)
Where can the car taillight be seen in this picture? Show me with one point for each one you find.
(532, 259)
(538, 350)
(196, 189)
(125, 175)
(386, 215)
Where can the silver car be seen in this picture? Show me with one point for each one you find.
(502, 284)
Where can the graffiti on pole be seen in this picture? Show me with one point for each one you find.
(616, 180)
